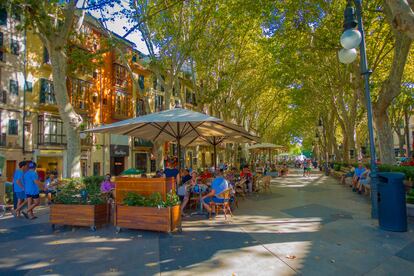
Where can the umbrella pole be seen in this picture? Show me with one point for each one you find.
(179, 146)
(215, 153)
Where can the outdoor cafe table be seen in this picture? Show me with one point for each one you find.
(199, 189)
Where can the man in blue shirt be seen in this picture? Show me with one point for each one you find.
(218, 186)
(18, 187)
(31, 186)
(357, 176)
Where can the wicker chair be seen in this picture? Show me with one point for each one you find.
(225, 206)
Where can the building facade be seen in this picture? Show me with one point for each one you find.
(113, 85)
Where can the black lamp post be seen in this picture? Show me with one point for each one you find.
(352, 38)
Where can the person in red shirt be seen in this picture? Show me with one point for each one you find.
(247, 174)
(206, 175)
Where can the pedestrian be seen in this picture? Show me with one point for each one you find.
(50, 186)
(31, 186)
(18, 187)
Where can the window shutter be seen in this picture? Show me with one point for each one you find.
(3, 16)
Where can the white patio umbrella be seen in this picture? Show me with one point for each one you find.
(180, 125)
(265, 146)
(243, 137)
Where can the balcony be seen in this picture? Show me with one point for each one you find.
(51, 131)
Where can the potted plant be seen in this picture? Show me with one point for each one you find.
(149, 213)
(80, 203)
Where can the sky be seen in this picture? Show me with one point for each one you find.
(117, 27)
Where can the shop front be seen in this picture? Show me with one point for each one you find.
(119, 155)
(50, 161)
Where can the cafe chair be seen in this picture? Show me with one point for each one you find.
(265, 183)
(225, 206)
(239, 187)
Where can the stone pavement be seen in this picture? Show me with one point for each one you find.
(309, 226)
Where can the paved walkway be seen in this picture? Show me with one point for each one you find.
(310, 226)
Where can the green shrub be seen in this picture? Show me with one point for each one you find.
(71, 192)
(154, 200)
(337, 167)
(407, 170)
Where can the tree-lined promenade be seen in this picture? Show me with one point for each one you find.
(269, 66)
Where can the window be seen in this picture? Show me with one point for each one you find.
(1, 46)
(134, 58)
(121, 75)
(29, 86)
(46, 58)
(14, 47)
(3, 97)
(176, 92)
(3, 16)
(47, 94)
(80, 90)
(51, 131)
(159, 103)
(13, 127)
(14, 87)
(161, 84)
(122, 104)
(141, 161)
(157, 84)
(141, 82)
(140, 108)
(190, 97)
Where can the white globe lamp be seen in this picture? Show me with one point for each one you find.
(347, 55)
(351, 38)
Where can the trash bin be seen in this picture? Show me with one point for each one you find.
(392, 210)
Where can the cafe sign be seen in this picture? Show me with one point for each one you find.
(119, 150)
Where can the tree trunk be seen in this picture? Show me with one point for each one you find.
(71, 120)
(385, 138)
(407, 130)
(401, 141)
(345, 150)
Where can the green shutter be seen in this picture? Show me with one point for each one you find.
(3, 16)
(141, 82)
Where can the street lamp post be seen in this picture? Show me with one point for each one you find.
(350, 40)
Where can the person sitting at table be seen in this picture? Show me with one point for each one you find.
(187, 188)
(107, 186)
(206, 175)
(248, 176)
(50, 187)
(231, 176)
(159, 174)
(218, 186)
(185, 176)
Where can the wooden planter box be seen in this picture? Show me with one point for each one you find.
(142, 186)
(79, 215)
(148, 218)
